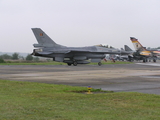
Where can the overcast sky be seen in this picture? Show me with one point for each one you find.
(79, 22)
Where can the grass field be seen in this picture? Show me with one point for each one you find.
(39, 101)
(58, 63)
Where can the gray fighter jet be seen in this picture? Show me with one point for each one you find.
(70, 55)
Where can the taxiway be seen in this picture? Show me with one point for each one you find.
(125, 77)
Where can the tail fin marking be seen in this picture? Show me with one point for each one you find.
(136, 44)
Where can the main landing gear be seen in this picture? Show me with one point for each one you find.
(146, 60)
(154, 60)
(74, 63)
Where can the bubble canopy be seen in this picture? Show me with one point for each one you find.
(105, 45)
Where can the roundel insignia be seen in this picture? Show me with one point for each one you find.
(41, 34)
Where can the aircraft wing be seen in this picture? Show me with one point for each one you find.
(61, 52)
(156, 52)
(83, 51)
(75, 51)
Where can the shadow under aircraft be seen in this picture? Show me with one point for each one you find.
(70, 55)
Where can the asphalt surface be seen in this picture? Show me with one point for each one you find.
(141, 77)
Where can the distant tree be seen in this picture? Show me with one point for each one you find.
(29, 57)
(36, 59)
(6, 56)
(2, 60)
(15, 56)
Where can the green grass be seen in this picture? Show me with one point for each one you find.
(58, 63)
(110, 62)
(33, 63)
(39, 101)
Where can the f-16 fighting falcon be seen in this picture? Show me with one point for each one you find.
(70, 55)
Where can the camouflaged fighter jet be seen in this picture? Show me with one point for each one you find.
(142, 53)
(70, 55)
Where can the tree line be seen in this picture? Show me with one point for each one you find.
(16, 56)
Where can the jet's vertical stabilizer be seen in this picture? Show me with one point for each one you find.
(136, 44)
(127, 48)
(43, 39)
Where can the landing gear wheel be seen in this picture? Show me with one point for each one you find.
(144, 60)
(69, 64)
(99, 63)
(154, 60)
(75, 63)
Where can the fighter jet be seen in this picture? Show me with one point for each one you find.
(70, 55)
(142, 53)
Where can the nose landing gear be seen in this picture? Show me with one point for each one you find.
(99, 63)
(75, 63)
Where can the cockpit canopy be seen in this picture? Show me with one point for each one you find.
(104, 45)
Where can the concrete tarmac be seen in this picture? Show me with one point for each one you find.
(143, 77)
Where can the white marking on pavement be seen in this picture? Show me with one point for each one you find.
(150, 64)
